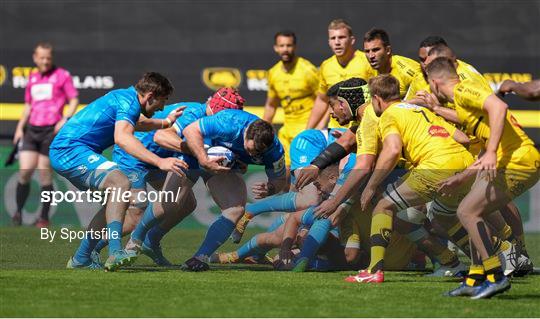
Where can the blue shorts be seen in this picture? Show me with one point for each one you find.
(80, 165)
(194, 170)
(140, 175)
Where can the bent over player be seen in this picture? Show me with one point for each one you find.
(254, 142)
(76, 154)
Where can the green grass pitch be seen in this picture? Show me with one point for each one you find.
(34, 283)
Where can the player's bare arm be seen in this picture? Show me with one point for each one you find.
(123, 137)
(388, 158)
(270, 108)
(149, 124)
(169, 139)
(195, 143)
(496, 110)
(461, 138)
(529, 90)
(320, 109)
(362, 168)
(430, 101)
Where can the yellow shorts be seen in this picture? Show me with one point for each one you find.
(285, 135)
(520, 173)
(400, 250)
(424, 179)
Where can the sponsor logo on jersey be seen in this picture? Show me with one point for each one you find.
(438, 131)
(82, 168)
(93, 158)
(218, 77)
(133, 177)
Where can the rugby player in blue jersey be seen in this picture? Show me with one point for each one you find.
(76, 154)
(140, 174)
(253, 141)
(162, 216)
(305, 147)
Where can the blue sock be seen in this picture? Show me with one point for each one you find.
(250, 248)
(86, 246)
(319, 264)
(115, 231)
(147, 221)
(217, 234)
(276, 223)
(100, 245)
(154, 235)
(277, 203)
(308, 218)
(316, 237)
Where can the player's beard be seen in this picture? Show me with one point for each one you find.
(287, 58)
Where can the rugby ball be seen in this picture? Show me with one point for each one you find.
(220, 151)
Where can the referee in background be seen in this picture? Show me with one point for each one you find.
(48, 90)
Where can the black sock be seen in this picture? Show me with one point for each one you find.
(46, 205)
(23, 190)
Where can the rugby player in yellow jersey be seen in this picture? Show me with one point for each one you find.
(420, 91)
(379, 54)
(347, 62)
(431, 48)
(426, 142)
(508, 167)
(293, 84)
(420, 94)
(346, 100)
(510, 213)
(424, 48)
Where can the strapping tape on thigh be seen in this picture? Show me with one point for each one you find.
(437, 208)
(391, 194)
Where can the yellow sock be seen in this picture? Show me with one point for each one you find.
(381, 230)
(476, 273)
(492, 266)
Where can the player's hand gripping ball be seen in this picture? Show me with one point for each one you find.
(220, 151)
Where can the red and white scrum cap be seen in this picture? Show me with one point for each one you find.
(226, 98)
